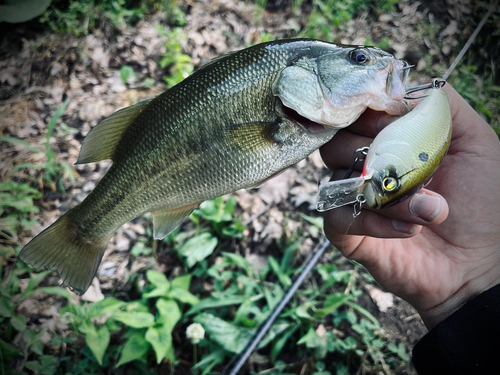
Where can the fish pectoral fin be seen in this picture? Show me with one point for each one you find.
(166, 221)
(100, 143)
(253, 135)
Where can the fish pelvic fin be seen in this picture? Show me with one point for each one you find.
(102, 140)
(61, 249)
(164, 222)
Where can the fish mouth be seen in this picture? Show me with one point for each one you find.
(398, 71)
(310, 126)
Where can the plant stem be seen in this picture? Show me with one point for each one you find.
(195, 356)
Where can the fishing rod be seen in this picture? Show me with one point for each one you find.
(259, 335)
(264, 328)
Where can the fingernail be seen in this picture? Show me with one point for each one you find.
(425, 206)
(403, 226)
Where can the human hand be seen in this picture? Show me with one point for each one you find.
(441, 247)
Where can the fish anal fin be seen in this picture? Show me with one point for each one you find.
(165, 221)
(100, 143)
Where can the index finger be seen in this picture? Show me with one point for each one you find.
(371, 122)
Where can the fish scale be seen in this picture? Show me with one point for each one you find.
(222, 129)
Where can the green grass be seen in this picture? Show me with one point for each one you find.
(80, 17)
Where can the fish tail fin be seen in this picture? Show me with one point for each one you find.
(61, 249)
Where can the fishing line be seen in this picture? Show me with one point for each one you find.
(470, 41)
(264, 328)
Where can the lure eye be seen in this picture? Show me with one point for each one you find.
(390, 184)
(360, 56)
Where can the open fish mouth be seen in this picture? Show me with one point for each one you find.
(398, 71)
(310, 126)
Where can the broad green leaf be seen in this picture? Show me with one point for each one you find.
(161, 341)
(198, 248)
(137, 306)
(49, 364)
(210, 360)
(18, 322)
(182, 282)
(159, 280)
(8, 351)
(211, 302)
(6, 308)
(23, 10)
(287, 259)
(313, 341)
(108, 305)
(55, 290)
(237, 260)
(302, 311)
(135, 319)
(156, 278)
(316, 221)
(34, 366)
(332, 303)
(276, 330)
(402, 352)
(36, 278)
(281, 342)
(135, 348)
(230, 206)
(169, 313)
(392, 347)
(363, 311)
(283, 278)
(126, 72)
(183, 296)
(232, 338)
(97, 340)
(21, 204)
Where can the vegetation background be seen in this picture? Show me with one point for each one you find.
(66, 64)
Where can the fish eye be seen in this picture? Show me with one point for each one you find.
(390, 184)
(360, 56)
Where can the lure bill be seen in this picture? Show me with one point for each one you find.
(402, 157)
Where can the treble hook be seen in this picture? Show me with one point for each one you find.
(436, 83)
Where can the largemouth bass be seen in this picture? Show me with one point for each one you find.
(233, 124)
(402, 157)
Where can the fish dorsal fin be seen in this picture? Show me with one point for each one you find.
(166, 221)
(100, 143)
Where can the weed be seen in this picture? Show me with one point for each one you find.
(126, 73)
(81, 17)
(327, 16)
(178, 64)
(54, 172)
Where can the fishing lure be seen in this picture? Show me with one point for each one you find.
(402, 157)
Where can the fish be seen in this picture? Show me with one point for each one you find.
(234, 123)
(400, 160)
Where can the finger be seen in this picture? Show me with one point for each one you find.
(339, 222)
(371, 122)
(339, 152)
(424, 208)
